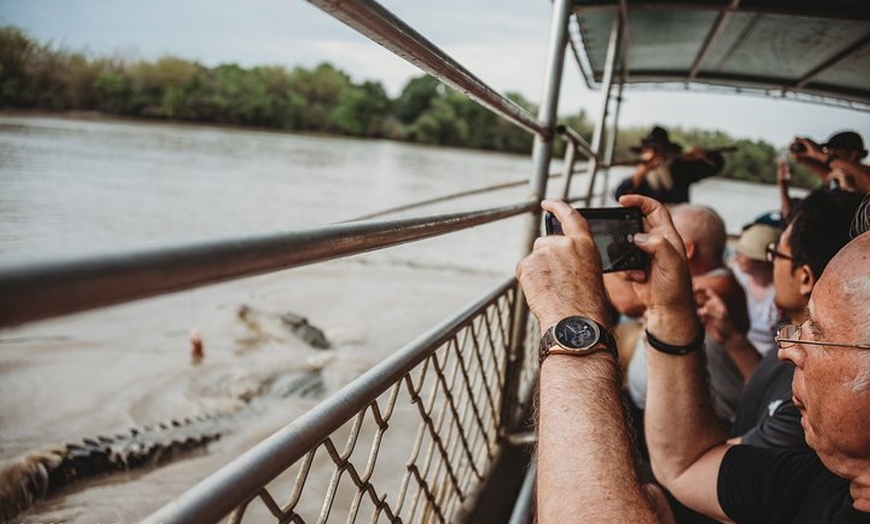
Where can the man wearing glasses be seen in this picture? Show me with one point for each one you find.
(766, 415)
(585, 468)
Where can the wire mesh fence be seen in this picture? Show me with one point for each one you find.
(419, 450)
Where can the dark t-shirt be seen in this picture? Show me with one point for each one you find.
(684, 173)
(779, 486)
(766, 415)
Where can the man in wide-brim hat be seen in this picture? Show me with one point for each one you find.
(664, 172)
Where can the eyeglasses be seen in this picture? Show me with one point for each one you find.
(790, 334)
(771, 254)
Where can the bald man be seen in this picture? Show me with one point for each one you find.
(703, 234)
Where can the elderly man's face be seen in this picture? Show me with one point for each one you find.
(831, 385)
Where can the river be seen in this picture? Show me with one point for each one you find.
(75, 187)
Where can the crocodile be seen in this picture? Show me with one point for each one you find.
(259, 323)
(35, 475)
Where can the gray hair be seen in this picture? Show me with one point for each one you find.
(857, 294)
(861, 222)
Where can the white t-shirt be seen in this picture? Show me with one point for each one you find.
(763, 315)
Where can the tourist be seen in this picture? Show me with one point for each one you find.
(837, 162)
(665, 172)
(597, 481)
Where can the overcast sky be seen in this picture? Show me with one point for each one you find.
(501, 41)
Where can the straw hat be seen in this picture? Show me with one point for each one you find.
(754, 241)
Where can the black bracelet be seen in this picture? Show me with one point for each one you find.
(695, 344)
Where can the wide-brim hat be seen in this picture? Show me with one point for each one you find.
(658, 139)
(755, 239)
(848, 140)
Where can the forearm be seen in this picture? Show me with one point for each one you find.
(586, 471)
(743, 354)
(817, 167)
(681, 425)
(859, 173)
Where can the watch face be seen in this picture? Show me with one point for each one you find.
(576, 333)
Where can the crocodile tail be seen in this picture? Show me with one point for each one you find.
(26, 479)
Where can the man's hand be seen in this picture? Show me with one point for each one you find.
(714, 314)
(666, 288)
(812, 150)
(667, 282)
(841, 180)
(783, 172)
(562, 275)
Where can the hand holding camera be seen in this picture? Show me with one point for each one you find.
(803, 147)
(613, 230)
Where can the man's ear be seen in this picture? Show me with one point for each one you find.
(690, 249)
(807, 280)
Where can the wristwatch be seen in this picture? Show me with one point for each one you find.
(577, 336)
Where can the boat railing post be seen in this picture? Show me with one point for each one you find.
(575, 143)
(613, 48)
(568, 169)
(611, 139)
(541, 156)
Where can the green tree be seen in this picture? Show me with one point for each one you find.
(440, 125)
(321, 89)
(16, 50)
(362, 110)
(417, 96)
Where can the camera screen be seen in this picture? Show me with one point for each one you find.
(615, 240)
(613, 230)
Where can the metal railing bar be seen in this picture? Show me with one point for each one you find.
(576, 140)
(383, 27)
(524, 507)
(461, 194)
(541, 156)
(219, 493)
(42, 290)
(445, 198)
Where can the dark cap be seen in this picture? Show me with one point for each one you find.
(658, 139)
(848, 140)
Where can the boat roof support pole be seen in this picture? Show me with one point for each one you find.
(541, 155)
(568, 169)
(831, 62)
(607, 83)
(611, 137)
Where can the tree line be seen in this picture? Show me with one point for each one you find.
(324, 99)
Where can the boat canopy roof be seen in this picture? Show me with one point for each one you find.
(815, 50)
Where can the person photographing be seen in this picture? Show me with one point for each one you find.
(837, 162)
(665, 172)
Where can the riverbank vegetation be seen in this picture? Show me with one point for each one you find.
(324, 99)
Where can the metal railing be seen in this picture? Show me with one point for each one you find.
(434, 406)
(38, 291)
